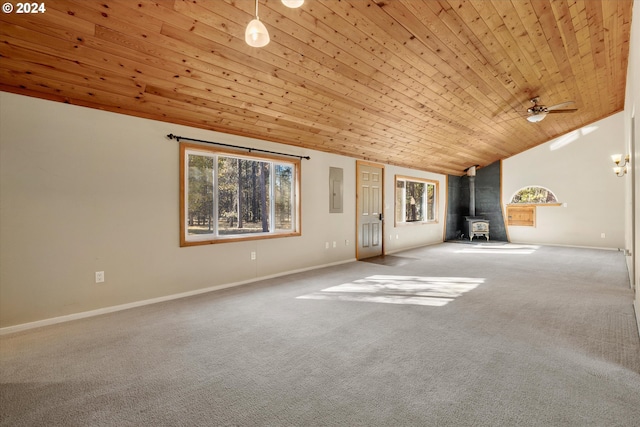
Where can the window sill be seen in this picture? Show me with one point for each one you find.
(231, 239)
(413, 223)
(534, 204)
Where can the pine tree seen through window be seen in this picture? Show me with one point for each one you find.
(230, 197)
(416, 200)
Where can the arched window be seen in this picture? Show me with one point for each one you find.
(534, 195)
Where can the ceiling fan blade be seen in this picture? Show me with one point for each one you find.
(570, 110)
(562, 104)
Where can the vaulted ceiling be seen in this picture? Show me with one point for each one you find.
(437, 85)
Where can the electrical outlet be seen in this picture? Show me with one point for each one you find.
(326, 245)
(253, 256)
(335, 244)
(346, 242)
(602, 235)
(99, 276)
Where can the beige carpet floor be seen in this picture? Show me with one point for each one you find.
(446, 335)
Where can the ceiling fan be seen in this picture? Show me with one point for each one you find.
(539, 112)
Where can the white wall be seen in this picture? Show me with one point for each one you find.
(578, 169)
(83, 190)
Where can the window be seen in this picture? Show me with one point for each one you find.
(230, 197)
(534, 195)
(416, 200)
(521, 210)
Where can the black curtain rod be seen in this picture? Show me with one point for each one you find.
(178, 138)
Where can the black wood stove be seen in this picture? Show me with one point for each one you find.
(474, 225)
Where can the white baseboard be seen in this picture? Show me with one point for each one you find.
(569, 246)
(408, 248)
(105, 310)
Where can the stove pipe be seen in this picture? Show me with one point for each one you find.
(471, 173)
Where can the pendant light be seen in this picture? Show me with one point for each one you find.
(256, 34)
(292, 3)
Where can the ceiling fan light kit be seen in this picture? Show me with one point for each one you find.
(538, 117)
(538, 112)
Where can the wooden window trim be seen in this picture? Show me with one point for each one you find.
(436, 201)
(185, 146)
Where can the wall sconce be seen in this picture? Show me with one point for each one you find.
(620, 169)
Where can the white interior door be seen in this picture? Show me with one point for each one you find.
(369, 200)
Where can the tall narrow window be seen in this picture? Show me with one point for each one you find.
(230, 197)
(416, 200)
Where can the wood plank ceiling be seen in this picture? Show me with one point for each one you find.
(437, 85)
